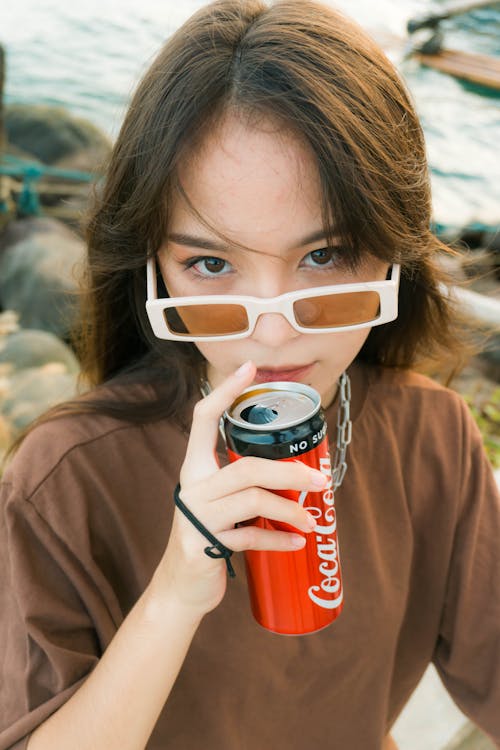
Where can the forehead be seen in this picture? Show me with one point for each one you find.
(258, 184)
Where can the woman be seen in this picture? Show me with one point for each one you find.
(268, 150)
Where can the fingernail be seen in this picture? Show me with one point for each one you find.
(318, 479)
(242, 371)
(297, 541)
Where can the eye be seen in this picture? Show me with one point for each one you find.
(325, 256)
(207, 266)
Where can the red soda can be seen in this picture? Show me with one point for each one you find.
(301, 591)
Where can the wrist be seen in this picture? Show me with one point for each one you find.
(160, 604)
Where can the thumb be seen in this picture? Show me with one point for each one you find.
(200, 460)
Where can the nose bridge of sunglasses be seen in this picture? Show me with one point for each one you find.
(306, 308)
(272, 306)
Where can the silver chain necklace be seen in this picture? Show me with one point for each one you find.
(344, 431)
(344, 427)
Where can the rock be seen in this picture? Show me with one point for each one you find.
(91, 159)
(31, 348)
(9, 322)
(30, 392)
(37, 370)
(38, 278)
(12, 150)
(51, 133)
(23, 229)
(5, 437)
(491, 357)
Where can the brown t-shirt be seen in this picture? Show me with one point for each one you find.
(86, 509)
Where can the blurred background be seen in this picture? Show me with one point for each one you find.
(68, 74)
(87, 57)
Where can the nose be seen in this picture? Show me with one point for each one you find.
(273, 330)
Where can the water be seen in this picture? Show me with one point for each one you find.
(89, 56)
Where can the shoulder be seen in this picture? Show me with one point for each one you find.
(419, 410)
(76, 444)
(427, 425)
(393, 378)
(407, 391)
(416, 434)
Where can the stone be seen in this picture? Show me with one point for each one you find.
(38, 277)
(91, 159)
(9, 322)
(30, 392)
(51, 133)
(31, 348)
(5, 437)
(22, 229)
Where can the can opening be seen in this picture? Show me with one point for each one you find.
(258, 414)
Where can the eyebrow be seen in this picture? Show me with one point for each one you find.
(206, 244)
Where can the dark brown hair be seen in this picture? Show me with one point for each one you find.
(308, 67)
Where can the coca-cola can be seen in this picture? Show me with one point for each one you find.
(296, 592)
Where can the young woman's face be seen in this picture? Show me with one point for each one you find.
(261, 188)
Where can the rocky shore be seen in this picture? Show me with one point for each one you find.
(41, 258)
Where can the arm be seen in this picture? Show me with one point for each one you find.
(467, 653)
(86, 699)
(134, 677)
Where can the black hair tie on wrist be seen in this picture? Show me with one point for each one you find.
(222, 551)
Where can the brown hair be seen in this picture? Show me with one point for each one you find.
(315, 71)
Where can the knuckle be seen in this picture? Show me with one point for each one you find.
(248, 467)
(250, 537)
(200, 407)
(254, 464)
(302, 472)
(254, 499)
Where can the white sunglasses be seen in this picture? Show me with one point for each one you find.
(220, 317)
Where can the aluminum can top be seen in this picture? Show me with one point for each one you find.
(274, 406)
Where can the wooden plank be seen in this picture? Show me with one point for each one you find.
(64, 213)
(433, 18)
(76, 189)
(479, 69)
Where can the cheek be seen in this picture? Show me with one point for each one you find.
(343, 347)
(217, 354)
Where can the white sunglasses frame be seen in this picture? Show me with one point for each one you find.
(255, 306)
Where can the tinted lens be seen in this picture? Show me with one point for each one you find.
(206, 320)
(346, 309)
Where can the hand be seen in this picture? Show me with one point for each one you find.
(220, 498)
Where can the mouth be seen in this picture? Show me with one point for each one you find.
(292, 372)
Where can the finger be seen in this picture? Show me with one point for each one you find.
(262, 472)
(200, 461)
(248, 504)
(251, 537)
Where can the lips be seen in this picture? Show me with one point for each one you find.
(268, 375)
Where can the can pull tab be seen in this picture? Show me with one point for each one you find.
(258, 414)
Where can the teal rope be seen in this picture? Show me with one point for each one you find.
(13, 166)
(28, 203)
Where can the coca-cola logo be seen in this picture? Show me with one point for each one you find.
(326, 543)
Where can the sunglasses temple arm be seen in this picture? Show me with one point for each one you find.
(152, 290)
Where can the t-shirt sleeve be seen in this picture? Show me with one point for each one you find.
(467, 653)
(48, 642)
